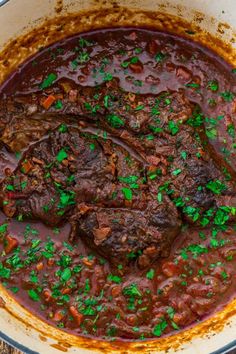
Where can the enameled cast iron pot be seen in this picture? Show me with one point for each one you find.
(40, 22)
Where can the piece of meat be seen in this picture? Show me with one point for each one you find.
(44, 182)
(123, 235)
(107, 104)
(186, 172)
(128, 157)
(70, 166)
(24, 130)
(8, 162)
(8, 108)
(220, 135)
(192, 176)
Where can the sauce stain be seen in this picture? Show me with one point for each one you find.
(59, 6)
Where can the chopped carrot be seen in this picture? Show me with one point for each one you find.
(9, 208)
(66, 291)
(48, 102)
(88, 262)
(58, 316)
(201, 151)
(116, 290)
(75, 313)
(50, 262)
(11, 243)
(131, 97)
(152, 168)
(47, 295)
(26, 166)
(39, 266)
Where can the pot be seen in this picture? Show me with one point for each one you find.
(28, 24)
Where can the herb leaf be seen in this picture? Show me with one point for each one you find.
(66, 274)
(62, 155)
(115, 121)
(48, 81)
(159, 328)
(33, 295)
(127, 193)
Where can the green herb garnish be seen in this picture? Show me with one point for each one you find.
(48, 81)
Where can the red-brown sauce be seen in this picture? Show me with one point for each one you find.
(118, 184)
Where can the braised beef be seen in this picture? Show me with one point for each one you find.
(116, 234)
(117, 184)
(78, 165)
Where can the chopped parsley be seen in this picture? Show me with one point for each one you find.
(213, 85)
(132, 291)
(3, 229)
(173, 127)
(159, 57)
(150, 274)
(66, 274)
(33, 295)
(128, 194)
(132, 60)
(48, 81)
(160, 328)
(115, 121)
(62, 155)
(176, 172)
(108, 77)
(114, 278)
(5, 273)
(227, 96)
(217, 187)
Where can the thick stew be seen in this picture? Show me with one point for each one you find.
(118, 184)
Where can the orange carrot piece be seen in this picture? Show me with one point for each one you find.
(11, 243)
(50, 262)
(66, 291)
(58, 316)
(47, 295)
(39, 266)
(77, 316)
(48, 102)
(26, 166)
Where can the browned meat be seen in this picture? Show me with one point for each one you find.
(71, 167)
(123, 235)
(122, 172)
(53, 174)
